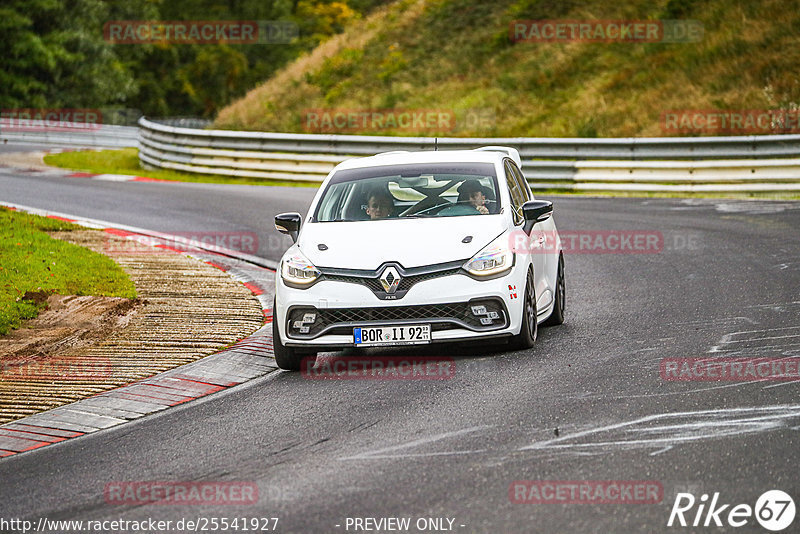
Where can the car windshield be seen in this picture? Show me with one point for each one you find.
(410, 191)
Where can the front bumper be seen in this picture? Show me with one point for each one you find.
(446, 303)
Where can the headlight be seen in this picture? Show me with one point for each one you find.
(495, 258)
(297, 270)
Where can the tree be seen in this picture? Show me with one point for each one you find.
(55, 56)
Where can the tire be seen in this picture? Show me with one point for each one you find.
(557, 317)
(527, 334)
(287, 358)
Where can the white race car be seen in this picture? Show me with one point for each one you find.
(409, 248)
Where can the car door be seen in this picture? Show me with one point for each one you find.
(551, 245)
(537, 243)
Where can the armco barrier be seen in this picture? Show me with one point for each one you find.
(102, 136)
(768, 163)
(82, 135)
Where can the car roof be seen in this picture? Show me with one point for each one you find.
(424, 156)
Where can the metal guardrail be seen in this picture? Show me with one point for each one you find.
(95, 136)
(637, 148)
(705, 164)
(746, 163)
(85, 134)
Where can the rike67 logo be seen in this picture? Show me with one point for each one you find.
(774, 510)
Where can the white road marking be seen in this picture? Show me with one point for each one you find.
(776, 305)
(379, 453)
(659, 451)
(667, 394)
(412, 455)
(764, 338)
(718, 347)
(726, 422)
(714, 322)
(728, 342)
(782, 383)
(114, 177)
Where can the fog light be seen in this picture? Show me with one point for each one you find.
(478, 310)
(485, 321)
(302, 321)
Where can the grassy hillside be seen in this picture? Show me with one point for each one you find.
(456, 55)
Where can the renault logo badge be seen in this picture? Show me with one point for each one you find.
(390, 279)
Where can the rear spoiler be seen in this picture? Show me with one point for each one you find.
(512, 153)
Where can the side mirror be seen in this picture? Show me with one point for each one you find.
(534, 211)
(289, 224)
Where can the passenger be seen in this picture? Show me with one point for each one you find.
(473, 192)
(380, 204)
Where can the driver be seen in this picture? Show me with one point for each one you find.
(379, 204)
(473, 192)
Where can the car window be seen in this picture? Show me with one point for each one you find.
(524, 186)
(409, 191)
(516, 191)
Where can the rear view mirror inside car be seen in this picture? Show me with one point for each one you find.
(413, 181)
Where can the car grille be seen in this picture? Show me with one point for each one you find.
(440, 316)
(406, 283)
(408, 277)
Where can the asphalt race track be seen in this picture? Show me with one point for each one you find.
(724, 282)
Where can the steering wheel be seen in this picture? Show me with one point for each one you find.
(459, 209)
(439, 206)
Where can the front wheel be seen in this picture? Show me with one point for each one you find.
(530, 328)
(287, 358)
(557, 317)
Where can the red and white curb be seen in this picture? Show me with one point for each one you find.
(73, 174)
(66, 173)
(244, 361)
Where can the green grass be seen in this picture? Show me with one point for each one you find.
(126, 161)
(32, 261)
(456, 55)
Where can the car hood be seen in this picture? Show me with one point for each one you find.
(410, 242)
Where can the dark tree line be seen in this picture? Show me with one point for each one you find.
(53, 53)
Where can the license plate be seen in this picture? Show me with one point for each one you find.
(407, 334)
